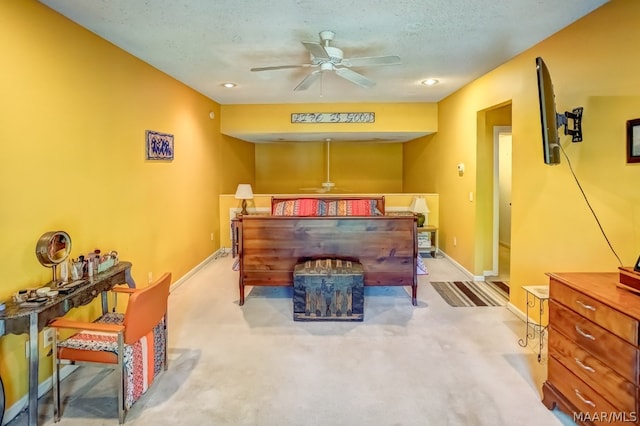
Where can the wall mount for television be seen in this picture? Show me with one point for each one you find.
(576, 116)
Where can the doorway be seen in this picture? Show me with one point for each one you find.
(502, 149)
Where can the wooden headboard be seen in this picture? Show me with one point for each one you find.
(378, 199)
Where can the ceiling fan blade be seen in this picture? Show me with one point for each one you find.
(354, 77)
(371, 61)
(281, 67)
(317, 190)
(308, 80)
(316, 49)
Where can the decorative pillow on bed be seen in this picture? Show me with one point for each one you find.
(362, 208)
(297, 207)
(335, 208)
(351, 208)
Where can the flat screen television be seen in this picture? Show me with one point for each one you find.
(550, 120)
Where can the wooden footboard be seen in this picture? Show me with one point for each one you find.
(270, 246)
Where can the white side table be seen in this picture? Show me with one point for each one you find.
(536, 295)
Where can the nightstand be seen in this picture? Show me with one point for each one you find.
(235, 240)
(428, 240)
(235, 231)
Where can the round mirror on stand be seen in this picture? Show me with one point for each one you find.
(52, 249)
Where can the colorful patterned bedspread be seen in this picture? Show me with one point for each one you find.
(317, 207)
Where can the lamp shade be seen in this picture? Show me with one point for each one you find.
(244, 192)
(419, 205)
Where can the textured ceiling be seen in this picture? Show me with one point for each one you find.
(205, 43)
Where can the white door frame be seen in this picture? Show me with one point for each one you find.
(496, 195)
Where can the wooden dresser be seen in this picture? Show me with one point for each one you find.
(593, 371)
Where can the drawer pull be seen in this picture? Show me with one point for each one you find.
(584, 367)
(588, 307)
(583, 334)
(586, 401)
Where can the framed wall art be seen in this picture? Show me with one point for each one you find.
(633, 141)
(159, 146)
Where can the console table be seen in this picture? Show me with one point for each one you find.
(20, 320)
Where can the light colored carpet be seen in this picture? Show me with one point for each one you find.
(253, 365)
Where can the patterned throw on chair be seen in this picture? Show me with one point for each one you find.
(143, 360)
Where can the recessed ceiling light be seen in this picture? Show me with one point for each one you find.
(229, 85)
(430, 82)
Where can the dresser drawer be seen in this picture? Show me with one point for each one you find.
(603, 315)
(620, 392)
(608, 348)
(586, 400)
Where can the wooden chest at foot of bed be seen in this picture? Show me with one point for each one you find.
(328, 290)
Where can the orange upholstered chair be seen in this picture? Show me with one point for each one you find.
(125, 342)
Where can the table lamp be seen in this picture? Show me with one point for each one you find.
(244, 193)
(420, 208)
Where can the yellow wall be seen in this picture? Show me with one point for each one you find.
(253, 120)
(74, 113)
(365, 166)
(288, 167)
(552, 227)
(237, 164)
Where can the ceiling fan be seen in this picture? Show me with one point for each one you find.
(329, 58)
(327, 185)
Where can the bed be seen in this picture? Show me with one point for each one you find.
(304, 228)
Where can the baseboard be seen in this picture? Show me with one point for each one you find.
(215, 255)
(517, 312)
(459, 266)
(44, 387)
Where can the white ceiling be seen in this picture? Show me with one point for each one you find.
(204, 43)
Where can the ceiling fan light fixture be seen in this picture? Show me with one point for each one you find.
(330, 58)
(430, 82)
(326, 66)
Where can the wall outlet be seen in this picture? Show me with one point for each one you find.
(212, 236)
(47, 337)
(455, 241)
(150, 277)
(26, 349)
